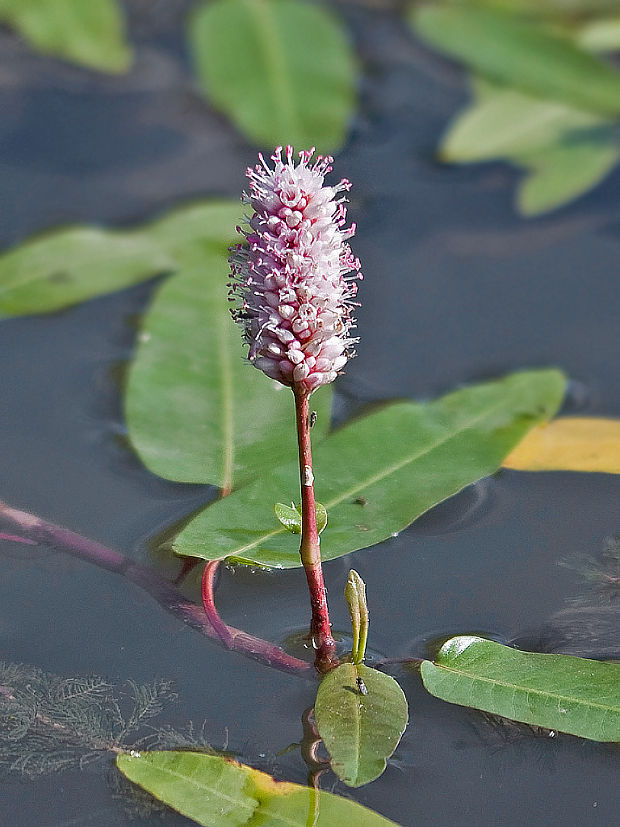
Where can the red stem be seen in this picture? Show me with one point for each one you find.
(208, 601)
(310, 549)
(39, 531)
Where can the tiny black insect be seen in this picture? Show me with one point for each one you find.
(313, 419)
(361, 686)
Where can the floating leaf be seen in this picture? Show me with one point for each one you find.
(601, 35)
(505, 122)
(360, 723)
(290, 517)
(522, 54)
(219, 792)
(560, 692)
(196, 410)
(282, 70)
(88, 32)
(67, 266)
(379, 473)
(561, 173)
(569, 444)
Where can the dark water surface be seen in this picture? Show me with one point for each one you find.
(457, 289)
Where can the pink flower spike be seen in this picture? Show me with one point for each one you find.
(290, 280)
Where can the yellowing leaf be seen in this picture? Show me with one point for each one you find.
(569, 444)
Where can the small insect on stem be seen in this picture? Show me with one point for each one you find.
(313, 417)
(361, 686)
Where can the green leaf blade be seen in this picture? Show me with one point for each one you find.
(282, 70)
(360, 731)
(196, 410)
(90, 33)
(573, 695)
(379, 473)
(219, 792)
(518, 53)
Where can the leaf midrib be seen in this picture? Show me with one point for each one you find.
(525, 689)
(392, 469)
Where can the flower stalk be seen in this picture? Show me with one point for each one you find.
(310, 548)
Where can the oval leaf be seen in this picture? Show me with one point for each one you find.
(521, 54)
(379, 473)
(506, 122)
(569, 444)
(282, 70)
(560, 692)
(562, 173)
(360, 723)
(219, 792)
(67, 266)
(88, 32)
(196, 410)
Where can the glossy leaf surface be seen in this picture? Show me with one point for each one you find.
(360, 723)
(559, 692)
(517, 53)
(569, 444)
(219, 792)
(282, 70)
(379, 473)
(195, 409)
(69, 265)
(88, 32)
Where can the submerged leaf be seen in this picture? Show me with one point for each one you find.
(522, 54)
(561, 173)
(88, 32)
(569, 444)
(398, 461)
(282, 70)
(361, 715)
(196, 411)
(219, 792)
(573, 695)
(69, 265)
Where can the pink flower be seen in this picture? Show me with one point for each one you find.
(293, 297)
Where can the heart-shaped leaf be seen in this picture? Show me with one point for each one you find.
(282, 70)
(379, 473)
(88, 32)
(361, 715)
(569, 444)
(219, 792)
(196, 410)
(559, 692)
(518, 53)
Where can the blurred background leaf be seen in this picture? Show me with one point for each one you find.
(88, 32)
(282, 70)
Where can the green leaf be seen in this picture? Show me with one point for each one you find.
(601, 35)
(66, 266)
(522, 54)
(282, 70)
(88, 32)
(506, 122)
(196, 410)
(219, 792)
(290, 517)
(562, 173)
(560, 692)
(360, 723)
(398, 462)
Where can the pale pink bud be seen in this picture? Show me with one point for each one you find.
(294, 296)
